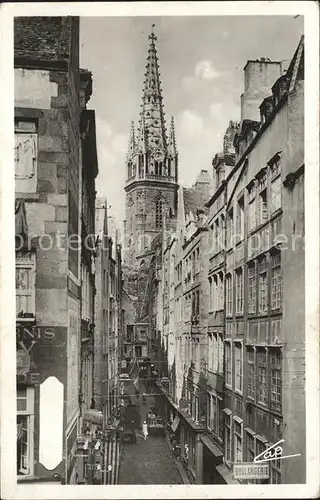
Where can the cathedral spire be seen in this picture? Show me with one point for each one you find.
(152, 114)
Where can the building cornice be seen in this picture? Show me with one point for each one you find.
(44, 64)
(149, 182)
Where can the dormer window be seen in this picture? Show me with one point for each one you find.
(279, 89)
(266, 108)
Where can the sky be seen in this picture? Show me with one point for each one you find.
(201, 63)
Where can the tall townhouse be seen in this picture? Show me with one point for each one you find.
(48, 209)
(214, 471)
(88, 290)
(264, 269)
(189, 367)
(108, 312)
(101, 306)
(168, 306)
(114, 322)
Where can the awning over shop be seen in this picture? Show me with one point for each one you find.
(213, 448)
(94, 416)
(175, 423)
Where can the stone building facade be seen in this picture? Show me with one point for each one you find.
(264, 331)
(49, 153)
(108, 314)
(88, 287)
(251, 258)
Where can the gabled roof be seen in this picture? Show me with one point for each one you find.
(296, 68)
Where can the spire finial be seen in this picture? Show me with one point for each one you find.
(152, 36)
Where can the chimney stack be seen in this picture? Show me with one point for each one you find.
(259, 77)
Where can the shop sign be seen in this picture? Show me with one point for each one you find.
(27, 338)
(250, 470)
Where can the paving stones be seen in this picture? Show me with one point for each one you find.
(150, 461)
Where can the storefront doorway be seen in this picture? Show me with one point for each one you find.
(210, 473)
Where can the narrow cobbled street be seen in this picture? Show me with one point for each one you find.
(150, 461)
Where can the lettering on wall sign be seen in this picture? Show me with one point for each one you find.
(26, 339)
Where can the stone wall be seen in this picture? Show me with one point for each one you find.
(42, 38)
(42, 49)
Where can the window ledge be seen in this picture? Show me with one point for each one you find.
(276, 411)
(278, 310)
(275, 214)
(238, 243)
(26, 478)
(250, 399)
(28, 196)
(263, 315)
(215, 253)
(262, 405)
(21, 319)
(260, 226)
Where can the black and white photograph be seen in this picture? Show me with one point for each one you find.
(163, 202)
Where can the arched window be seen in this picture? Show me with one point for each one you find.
(129, 169)
(156, 171)
(169, 167)
(141, 163)
(159, 213)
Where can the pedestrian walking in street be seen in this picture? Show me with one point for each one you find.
(145, 430)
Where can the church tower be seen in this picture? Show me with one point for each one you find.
(152, 168)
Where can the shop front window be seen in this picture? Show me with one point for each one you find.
(227, 438)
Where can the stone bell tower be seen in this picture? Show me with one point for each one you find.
(152, 168)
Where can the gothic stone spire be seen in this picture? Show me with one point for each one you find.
(152, 113)
(152, 158)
